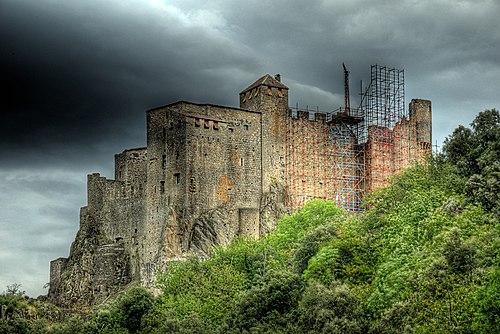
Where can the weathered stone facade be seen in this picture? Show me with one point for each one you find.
(208, 174)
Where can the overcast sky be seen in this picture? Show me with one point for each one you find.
(77, 77)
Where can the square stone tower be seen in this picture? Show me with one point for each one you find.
(269, 96)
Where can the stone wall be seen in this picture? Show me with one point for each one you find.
(114, 215)
(309, 158)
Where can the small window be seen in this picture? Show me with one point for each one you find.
(245, 127)
(164, 161)
(177, 178)
(216, 125)
(241, 161)
(206, 124)
(192, 185)
(162, 187)
(230, 130)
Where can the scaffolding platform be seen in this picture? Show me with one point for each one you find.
(342, 115)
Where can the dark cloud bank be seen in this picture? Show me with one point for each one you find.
(77, 77)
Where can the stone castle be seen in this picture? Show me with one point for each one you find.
(210, 173)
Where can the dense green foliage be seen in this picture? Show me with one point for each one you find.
(476, 155)
(423, 258)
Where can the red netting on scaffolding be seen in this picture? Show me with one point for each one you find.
(323, 158)
(307, 154)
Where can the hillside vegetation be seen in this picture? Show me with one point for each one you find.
(423, 258)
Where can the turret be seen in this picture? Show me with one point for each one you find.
(263, 93)
(421, 111)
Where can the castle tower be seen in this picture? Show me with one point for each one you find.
(269, 96)
(421, 113)
(421, 110)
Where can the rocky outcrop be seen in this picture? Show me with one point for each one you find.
(272, 208)
(95, 269)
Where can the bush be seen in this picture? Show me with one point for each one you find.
(459, 256)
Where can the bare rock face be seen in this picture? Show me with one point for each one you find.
(208, 230)
(272, 208)
(96, 269)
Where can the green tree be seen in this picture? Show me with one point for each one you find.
(268, 303)
(330, 310)
(132, 306)
(476, 153)
(206, 288)
(309, 245)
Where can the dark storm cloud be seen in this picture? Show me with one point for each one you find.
(77, 77)
(81, 75)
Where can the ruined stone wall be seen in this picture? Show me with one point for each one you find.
(106, 252)
(57, 268)
(421, 112)
(128, 217)
(379, 161)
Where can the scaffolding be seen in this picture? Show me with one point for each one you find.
(386, 142)
(347, 158)
(323, 158)
(343, 154)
